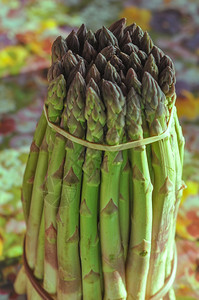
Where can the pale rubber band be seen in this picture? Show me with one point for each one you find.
(113, 148)
(46, 296)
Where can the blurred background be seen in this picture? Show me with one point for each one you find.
(27, 29)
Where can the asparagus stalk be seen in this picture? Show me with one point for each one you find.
(54, 71)
(179, 186)
(52, 198)
(39, 265)
(123, 204)
(180, 138)
(141, 211)
(31, 165)
(131, 80)
(20, 284)
(51, 204)
(164, 182)
(36, 205)
(111, 246)
(69, 272)
(55, 103)
(167, 82)
(89, 239)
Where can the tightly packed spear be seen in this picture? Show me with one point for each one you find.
(101, 224)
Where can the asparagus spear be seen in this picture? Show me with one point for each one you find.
(55, 104)
(89, 239)
(117, 28)
(123, 204)
(131, 80)
(56, 96)
(39, 264)
(54, 71)
(106, 38)
(179, 186)
(20, 284)
(111, 246)
(90, 37)
(69, 273)
(59, 48)
(73, 42)
(164, 182)
(141, 210)
(180, 138)
(178, 194)
(30, 170)
(52, 199)
(167, 83)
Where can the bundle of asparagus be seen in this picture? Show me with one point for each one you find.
(101, 224)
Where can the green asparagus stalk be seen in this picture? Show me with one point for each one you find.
(69, 272)
(178, 193)
(56, 146)
(180, 138)
(111, 246)
(164, 182)
(36, 205)
(141, 210)
(20, 284)
(31, 165)
(167, 82)
(39, 264)
(89, 237)
(54, 71)
(124, 205)
(51, 204)
(131, 80)
(55, 104)
(179, 186)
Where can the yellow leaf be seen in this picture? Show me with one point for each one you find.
(191, 190)
(136, 15)
(188, 106)
(181, 227)
(46, 24)
(12, 55)
(1, 245)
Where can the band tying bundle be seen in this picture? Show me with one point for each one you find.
(104, 147)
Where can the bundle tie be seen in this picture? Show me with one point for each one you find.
(46, 296)
(112, 148)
